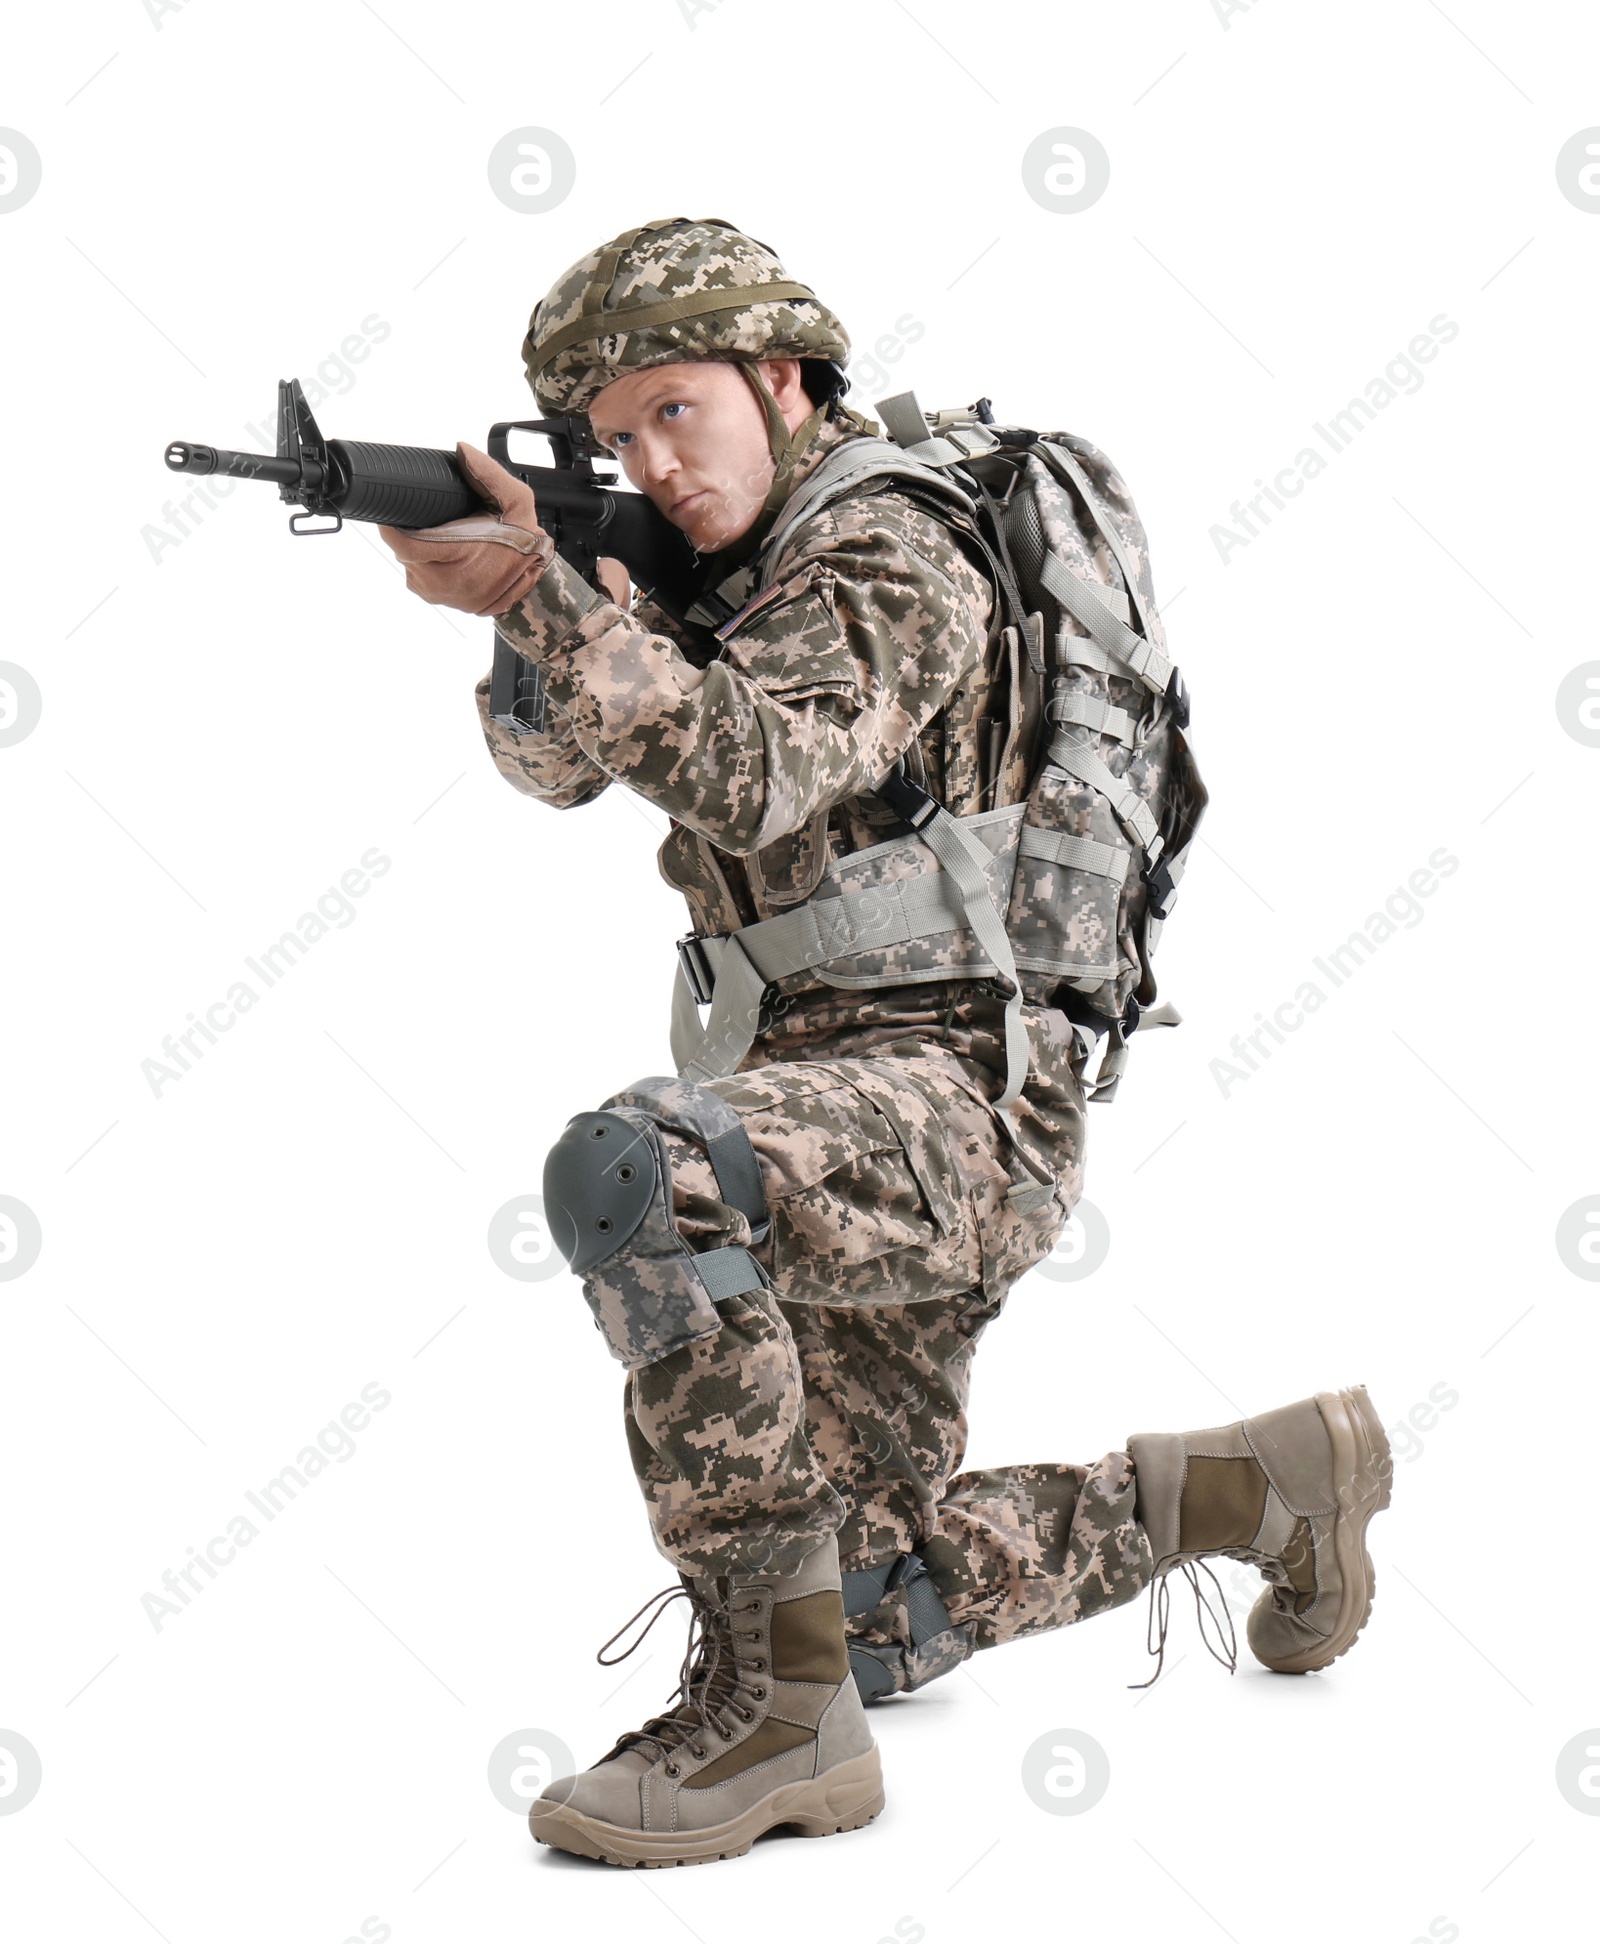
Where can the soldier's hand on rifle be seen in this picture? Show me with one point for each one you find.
(613, 579)
(484, 564)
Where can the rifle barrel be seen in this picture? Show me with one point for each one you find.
(186, 458)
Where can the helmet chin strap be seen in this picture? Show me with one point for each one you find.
(786, 448)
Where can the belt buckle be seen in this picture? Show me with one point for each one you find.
(696, 966)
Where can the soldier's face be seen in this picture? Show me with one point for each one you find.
(693, 438)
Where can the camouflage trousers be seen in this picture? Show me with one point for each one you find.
(835, 1400)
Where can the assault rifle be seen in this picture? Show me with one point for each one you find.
(415, 486)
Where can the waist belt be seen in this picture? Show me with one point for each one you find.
(730, 971)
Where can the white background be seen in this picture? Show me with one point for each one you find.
(230, 722)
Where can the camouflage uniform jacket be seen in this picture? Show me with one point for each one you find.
(877, 638)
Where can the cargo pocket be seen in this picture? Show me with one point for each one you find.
(885, 1219)
(1072, 862)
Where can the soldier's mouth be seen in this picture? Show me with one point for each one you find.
(689, 500)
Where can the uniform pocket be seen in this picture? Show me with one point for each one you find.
(794, 648)
(1072, 862)
(865, 1191)
(919, 1130)
(789, 868)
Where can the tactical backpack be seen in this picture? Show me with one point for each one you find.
(1061, 887)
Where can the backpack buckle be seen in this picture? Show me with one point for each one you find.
(697, 968)
(911, 803)
(1160, 886)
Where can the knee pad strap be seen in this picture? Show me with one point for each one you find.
(692, 1109)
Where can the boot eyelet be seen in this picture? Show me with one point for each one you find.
(759, 1693)
(672, 1771)
(747, 1714)
(699, 1754)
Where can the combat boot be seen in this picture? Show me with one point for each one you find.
(1291, 1491)
(766, 1729)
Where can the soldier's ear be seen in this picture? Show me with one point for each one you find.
(783, 376)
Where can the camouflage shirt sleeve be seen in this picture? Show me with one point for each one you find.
(548, 765)
(875, 617)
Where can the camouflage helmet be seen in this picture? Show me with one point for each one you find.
(664, 291)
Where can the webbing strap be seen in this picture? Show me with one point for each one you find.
(850, 464)
(594, 295)
(999, 558)
(814, 932)
(1112, 1065)
(1076, 853)
(696, 1110)
(713, 1051)
(646, 316)
(1064, 465)
(1111, 597)
(685, 1032)
(928, 1614)
(871, 1586)
(1132, 812)
(1083, 651)
(795, 941)
(884, 915)
(728, 1272)
(738, 1172)
(1142, 657)
(963, 857)
(904, 419)
(1092, 712)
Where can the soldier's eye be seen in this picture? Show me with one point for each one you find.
(675, 406)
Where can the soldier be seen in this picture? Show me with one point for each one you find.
(795, 1260)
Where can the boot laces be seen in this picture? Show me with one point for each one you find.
(709, 1680)
(1225, 1648)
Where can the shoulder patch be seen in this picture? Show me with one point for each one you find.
(736, 621)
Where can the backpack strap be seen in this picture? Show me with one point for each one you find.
(1077, 758)
(849, 465)
(1136, 653)
(1063, 463)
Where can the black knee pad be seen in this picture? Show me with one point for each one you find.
(608, 1199)
(599, 1180)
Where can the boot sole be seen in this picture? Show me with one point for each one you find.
(846, 1796)
(1362, 1470)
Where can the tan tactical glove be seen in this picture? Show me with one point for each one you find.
(484, 564)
